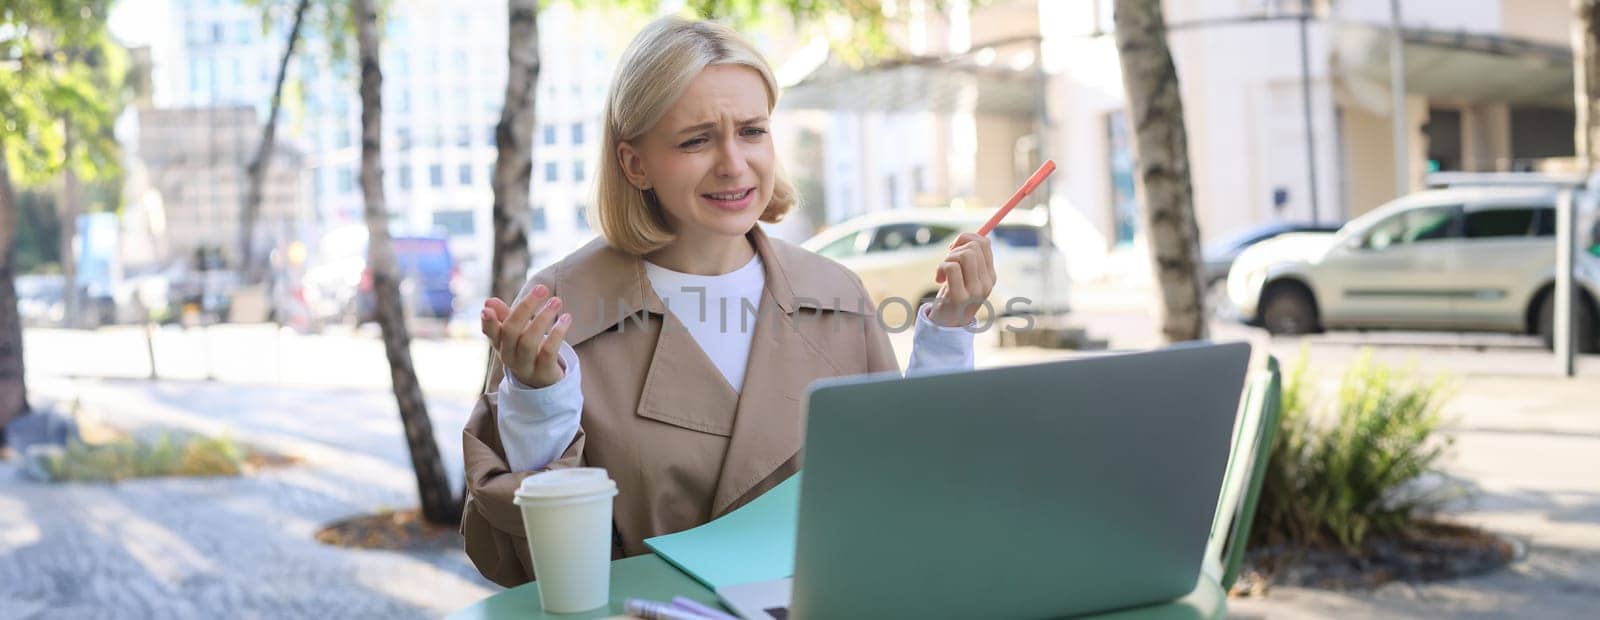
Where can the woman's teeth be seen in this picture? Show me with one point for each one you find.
(729, 196)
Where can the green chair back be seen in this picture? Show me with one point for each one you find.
(1254, 432)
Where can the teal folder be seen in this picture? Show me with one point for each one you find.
(753, 543)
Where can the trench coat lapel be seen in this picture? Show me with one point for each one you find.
(768, 429)
(682, 386)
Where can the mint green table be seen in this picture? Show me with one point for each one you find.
(648, 576)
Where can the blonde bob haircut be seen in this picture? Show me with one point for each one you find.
(654, 71)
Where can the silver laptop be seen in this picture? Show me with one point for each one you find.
(1034, 491)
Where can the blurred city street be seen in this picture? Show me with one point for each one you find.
(218, 216)
(1527, 441)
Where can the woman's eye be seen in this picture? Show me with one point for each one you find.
(693, 143)
(752, 132)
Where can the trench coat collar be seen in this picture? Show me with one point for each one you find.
(682, 386)
(608, 285)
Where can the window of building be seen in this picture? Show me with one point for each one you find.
(549, 135)
(490, 138)
(464, 136)
(436, 175)
(403, 137)
(347, 181)
(455, 222)
(577, 134)
(537, 220)
(577, 171)
(551, 174)
(583, 217)
(464, 175)
(405, 177)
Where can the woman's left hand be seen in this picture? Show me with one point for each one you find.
(968, 276)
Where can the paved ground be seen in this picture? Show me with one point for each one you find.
(230, 547)
(243, 547)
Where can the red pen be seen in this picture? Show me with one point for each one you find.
(1033, 182)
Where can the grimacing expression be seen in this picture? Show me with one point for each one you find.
(710, 159)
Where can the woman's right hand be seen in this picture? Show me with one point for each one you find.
(527, 337)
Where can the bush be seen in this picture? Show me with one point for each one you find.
(1337, 475)
(167, 455)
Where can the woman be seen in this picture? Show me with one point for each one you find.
(674, 351)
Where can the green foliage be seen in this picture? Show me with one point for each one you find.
(59, 67)
(1341, 474)
(168, 455)
(38, 238)
(862, 34)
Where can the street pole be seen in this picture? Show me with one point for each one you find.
(1566, 250)
(1397, 87)
(1041, 146)
(1305, 94)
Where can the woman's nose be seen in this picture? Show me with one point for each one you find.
(730, 159)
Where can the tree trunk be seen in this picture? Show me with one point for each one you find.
(1586, 78)
(67, 210)
(257, 172)
(13, 391)
(1162, 153)
(513, 167)
(439, 502)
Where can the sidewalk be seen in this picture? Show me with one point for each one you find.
(243, 546)
(231, 547)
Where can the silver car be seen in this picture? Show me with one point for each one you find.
(1468, 259)
(897, 252)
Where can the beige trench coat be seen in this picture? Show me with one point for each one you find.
(682, 445)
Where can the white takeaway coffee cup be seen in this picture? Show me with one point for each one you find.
(566, 514)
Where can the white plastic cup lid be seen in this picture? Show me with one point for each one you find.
(565, 483)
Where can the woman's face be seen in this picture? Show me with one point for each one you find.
(710, 158)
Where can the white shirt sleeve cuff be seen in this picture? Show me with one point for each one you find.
(537, 424)
(936, 347)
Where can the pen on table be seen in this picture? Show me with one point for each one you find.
(700, 608)
(1045, 169)
(656, 610)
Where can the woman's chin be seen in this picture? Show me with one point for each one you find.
(730, 223)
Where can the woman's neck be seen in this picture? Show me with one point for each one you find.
(708, 255)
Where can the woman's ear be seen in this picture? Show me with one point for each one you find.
(632, 165)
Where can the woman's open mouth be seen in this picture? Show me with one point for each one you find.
(735, 200)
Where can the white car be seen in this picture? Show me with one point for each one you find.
(1466, 259)
(896, 253)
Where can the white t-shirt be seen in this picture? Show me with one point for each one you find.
(537, 424)
(713, 309)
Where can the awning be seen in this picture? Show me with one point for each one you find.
(1478, 68)
(919, 84)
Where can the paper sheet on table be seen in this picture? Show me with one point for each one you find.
(753, 543)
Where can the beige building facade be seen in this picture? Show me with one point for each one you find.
(196, 161)
(1488, 88)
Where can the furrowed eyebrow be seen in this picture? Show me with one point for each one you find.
(705, 126)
